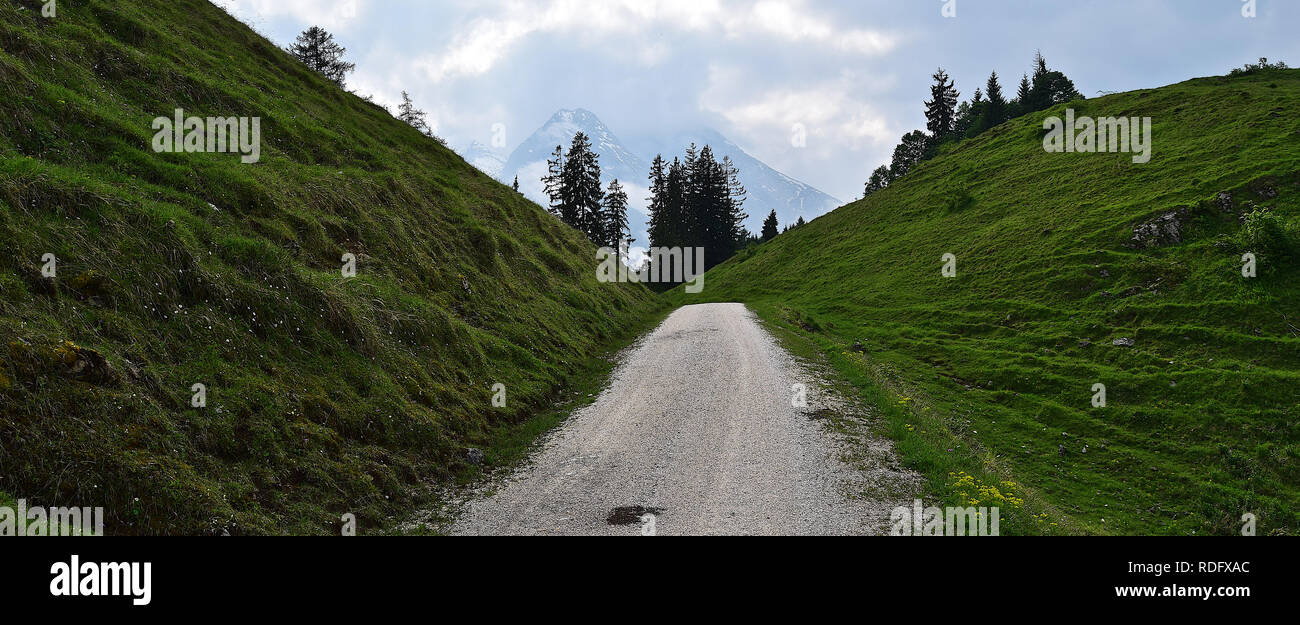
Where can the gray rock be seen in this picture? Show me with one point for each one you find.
(1224, 201)
(474, 456)
(1166, 229)
(1124, 342)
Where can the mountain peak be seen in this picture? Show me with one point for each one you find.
(577, 116)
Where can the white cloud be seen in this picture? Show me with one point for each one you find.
(490, 37)
(835, 116)
(793, 21)
(833, 110)
(324, 13)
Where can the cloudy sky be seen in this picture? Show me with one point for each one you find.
(853, 73)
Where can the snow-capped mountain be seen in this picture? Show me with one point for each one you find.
(616, 161)
(487, 159)
(768, 189)
(528, 161)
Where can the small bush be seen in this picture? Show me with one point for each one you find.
(1254, 68)
(1264, 234)
(957, 200)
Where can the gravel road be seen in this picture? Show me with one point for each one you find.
(697, 428)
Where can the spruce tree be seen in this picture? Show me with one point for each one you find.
(580, 190)
(679, 227)
(1040, 92)
(553, 181)
(1049, 87)
(995, 111)
(941, 109)
(659, 227)
(770, 227)
(1023, 96)
(708, 206)
(736, 197)
(613, 222)
(317, 50)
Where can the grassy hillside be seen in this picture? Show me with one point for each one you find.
(991, 373)
(325, 395)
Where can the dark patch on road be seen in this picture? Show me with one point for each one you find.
(628, 515)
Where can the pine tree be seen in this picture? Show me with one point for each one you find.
(580, 190)
(941, 109)
(708, 205)
(1049, 87)
(317, 49)
(573, 186)
(613, 221)
(659, 226)
(516, 185)
(770, 227)
(552, 182)
(1023, 96)
(736, 197)
(995, 111)
(407, 112)
(799, 222)
(1040, 66)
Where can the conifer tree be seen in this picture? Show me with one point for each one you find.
(995, 110)
(613, 217)
(736, 197)
(317, 50)
(770, 227)
(941, 109)
(1023, 96)
(407, 112)
(679, 226)
(660, 225)
(580, 190)
(552, 181)
(1049, 87)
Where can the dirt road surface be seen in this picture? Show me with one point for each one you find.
(698, 434)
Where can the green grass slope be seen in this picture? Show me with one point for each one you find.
(326, 395)
(991, 373)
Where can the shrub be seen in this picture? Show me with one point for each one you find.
(1264, 234)
(1254, 68)
(957, 199)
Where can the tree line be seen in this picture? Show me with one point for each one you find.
(697, 201)
(948, 121)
